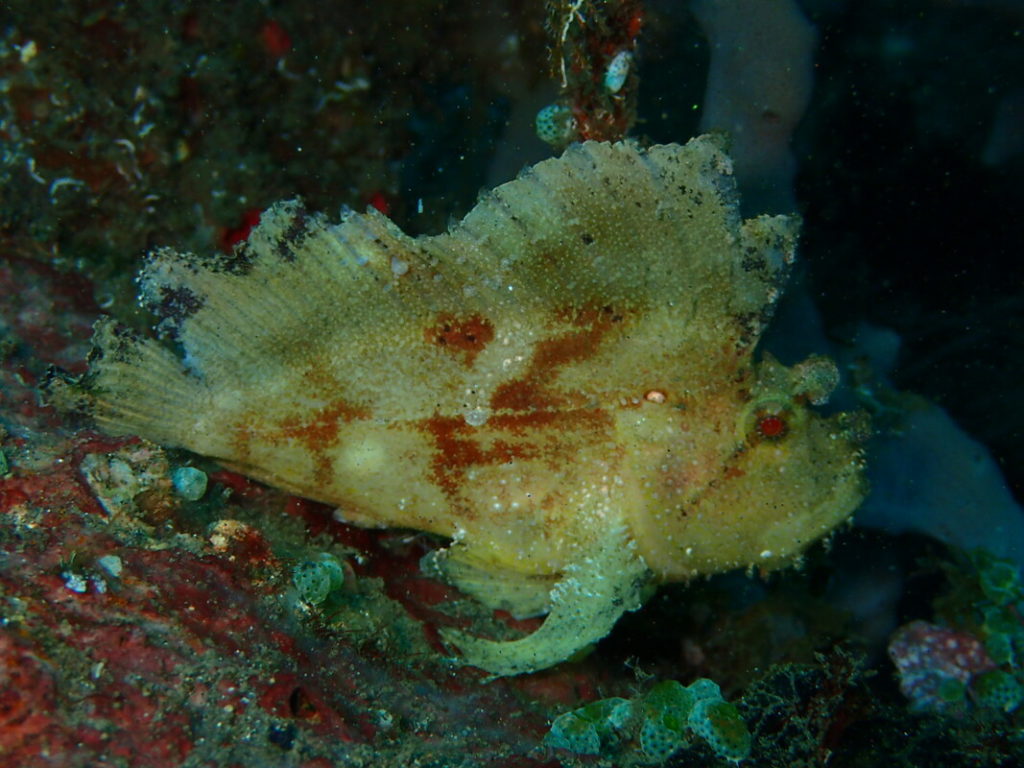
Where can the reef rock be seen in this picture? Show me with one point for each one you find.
(563, 384)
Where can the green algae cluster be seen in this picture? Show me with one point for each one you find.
(1002, 632)
(649, 729)
(986, 599)
(318, 578)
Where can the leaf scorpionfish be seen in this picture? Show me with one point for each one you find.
(564, 384)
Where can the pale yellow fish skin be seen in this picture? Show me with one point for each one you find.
(579, 350)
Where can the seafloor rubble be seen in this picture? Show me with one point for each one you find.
(144, 623)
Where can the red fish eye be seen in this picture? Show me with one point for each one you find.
(771, 426)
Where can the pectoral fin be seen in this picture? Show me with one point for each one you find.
(521, 594)
(606, 581)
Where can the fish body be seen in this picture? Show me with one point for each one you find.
(564, 384)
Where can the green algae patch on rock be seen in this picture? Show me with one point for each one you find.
(651, 728)
(317, 578)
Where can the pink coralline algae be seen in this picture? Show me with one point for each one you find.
(936, 664)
